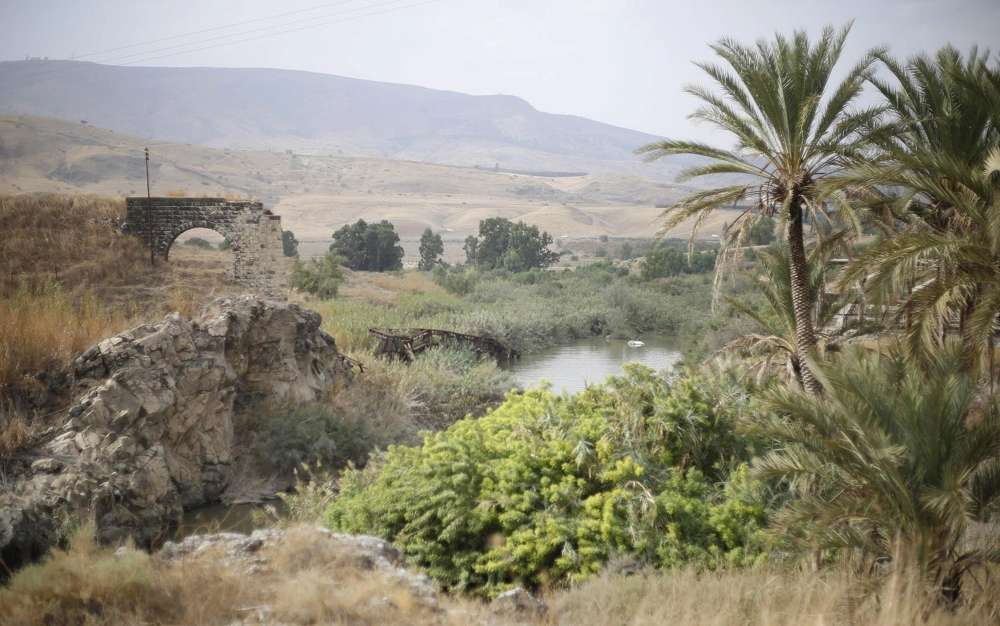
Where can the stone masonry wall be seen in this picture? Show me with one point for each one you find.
(253, 232)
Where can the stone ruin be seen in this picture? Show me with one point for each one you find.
(254, 234)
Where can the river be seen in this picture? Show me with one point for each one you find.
(571, 367)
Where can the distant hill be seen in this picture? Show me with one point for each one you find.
(321, 114)
(316, 194)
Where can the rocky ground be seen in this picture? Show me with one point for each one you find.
(311, 575)
(149, 431)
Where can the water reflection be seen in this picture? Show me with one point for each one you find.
(573, 366)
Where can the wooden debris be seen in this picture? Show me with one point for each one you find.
(406, 344)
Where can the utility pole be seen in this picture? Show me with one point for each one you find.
(149, 216)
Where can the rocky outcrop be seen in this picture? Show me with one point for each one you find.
(150, 429)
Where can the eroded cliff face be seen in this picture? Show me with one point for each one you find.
(149, 432)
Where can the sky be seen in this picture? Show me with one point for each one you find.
(624, 62)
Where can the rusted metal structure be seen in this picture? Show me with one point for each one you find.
(406, 344)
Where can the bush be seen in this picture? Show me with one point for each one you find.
(547, 488)
(667, 260)
(289, 244)
(320, 277)
(198, 242)
(286, 438)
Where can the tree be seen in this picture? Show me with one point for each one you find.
(762, 231)
(517, 247)
(776, 318)
(936, 184)
(320, 277)
(666, 260)
(431, 248)
(289, 244)
(892, 464)
(368, 247)
(791, 131)
(471, 248)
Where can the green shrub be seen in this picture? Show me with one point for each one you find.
(285, 438)
(547, 488)
(320, 277)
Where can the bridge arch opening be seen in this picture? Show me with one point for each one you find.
(253, 233)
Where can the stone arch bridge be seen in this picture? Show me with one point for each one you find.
(254, 234)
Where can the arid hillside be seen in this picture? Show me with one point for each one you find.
(316, 193)
(321, 113)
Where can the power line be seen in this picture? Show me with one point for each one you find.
(344, 16)
(207, 30)
(292, 30)
(128, 57)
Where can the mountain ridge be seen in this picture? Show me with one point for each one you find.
(261, 108)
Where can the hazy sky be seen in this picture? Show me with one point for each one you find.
(622, 62)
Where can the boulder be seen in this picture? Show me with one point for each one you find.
(518, 602)
(149, 431)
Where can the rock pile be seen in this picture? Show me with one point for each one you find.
(150, 429)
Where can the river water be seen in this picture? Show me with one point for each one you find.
(571, 367)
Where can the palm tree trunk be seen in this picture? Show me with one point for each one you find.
(805, 335)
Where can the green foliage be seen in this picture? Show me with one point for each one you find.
(431, 248)
(546, 488)
(516, 247)
(669, 260)
(892, 463)
(320, 277)
(285, 438)
(368, 247)
(289, 244)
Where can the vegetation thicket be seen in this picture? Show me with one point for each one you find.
(547, 488)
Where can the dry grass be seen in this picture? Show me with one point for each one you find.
(69, 278)
(758, 598)
(45, 328)
(386, 287)
(307, 579)
(67, 240)
(16, 434)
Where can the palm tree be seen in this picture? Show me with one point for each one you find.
(936, 179)
(791, 131)
(777, 339)
(891, 463)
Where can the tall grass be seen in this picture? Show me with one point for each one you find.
(775, 597)
(69, 240)
(531, 312)
(307, 579)
(46, 327)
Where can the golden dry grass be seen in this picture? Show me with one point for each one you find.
(68, 240)
(760, 598)
(16, 434)
(43, 328)
(69, 278)
(386, 287)
(307, 579)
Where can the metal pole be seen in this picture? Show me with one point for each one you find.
(149, 216)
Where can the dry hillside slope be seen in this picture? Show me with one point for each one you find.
(317, 193)
(306, 111)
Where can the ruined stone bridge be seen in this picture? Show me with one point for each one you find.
(254, 234)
